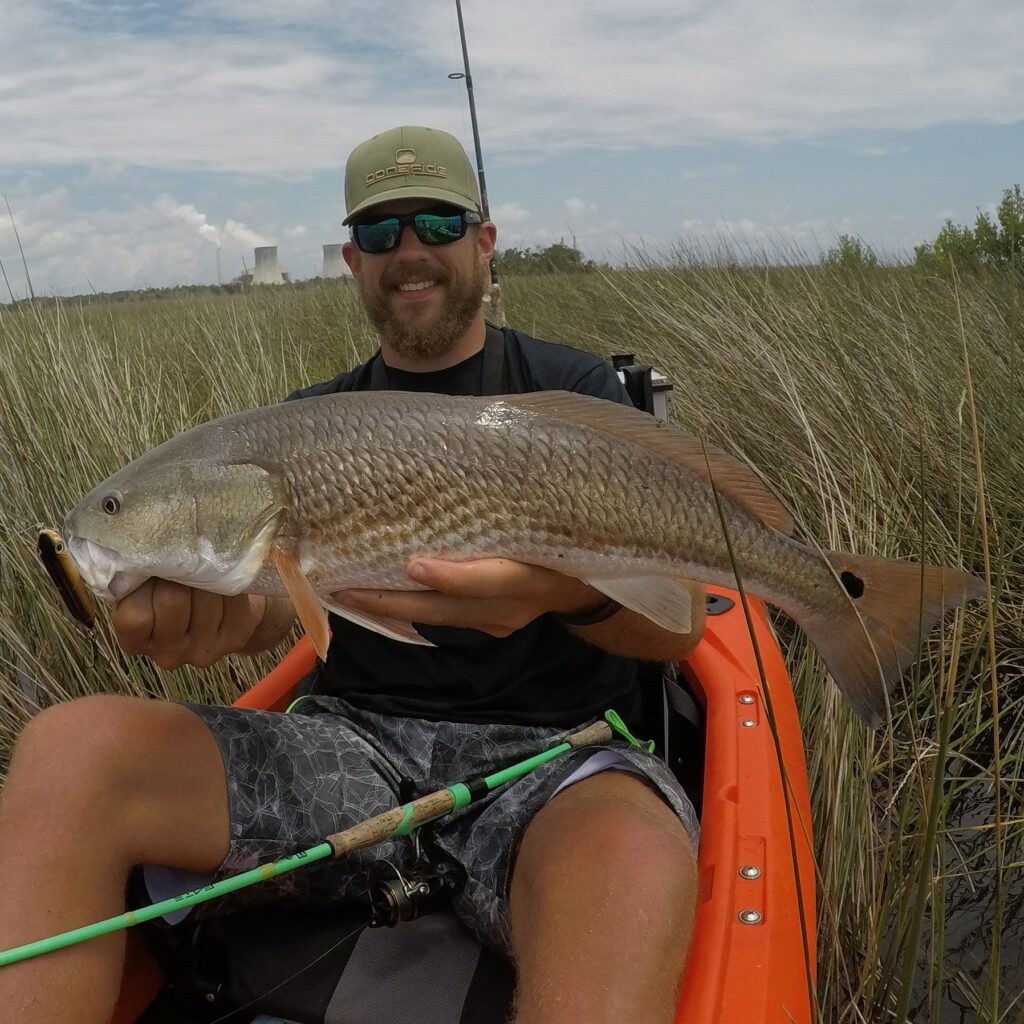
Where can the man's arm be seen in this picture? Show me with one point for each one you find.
(635, 636)
(177, 625)
(498, 596)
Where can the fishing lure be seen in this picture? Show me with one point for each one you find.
(61, 569)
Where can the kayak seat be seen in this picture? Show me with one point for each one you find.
(328, 966)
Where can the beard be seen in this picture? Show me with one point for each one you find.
(425, 337)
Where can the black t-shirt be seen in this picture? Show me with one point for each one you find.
(541, 674)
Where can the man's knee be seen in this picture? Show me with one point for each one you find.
(74, 736)
(95, 744)
(150, 770)
(611, 826)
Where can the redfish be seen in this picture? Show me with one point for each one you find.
(323, 494)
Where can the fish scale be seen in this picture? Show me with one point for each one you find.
(443, 487)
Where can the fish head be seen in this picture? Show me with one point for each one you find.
(200, 521)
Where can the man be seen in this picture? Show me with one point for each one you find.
(563, 877)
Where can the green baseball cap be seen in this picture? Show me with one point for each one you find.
(409, 162)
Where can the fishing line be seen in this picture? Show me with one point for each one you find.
(812, 998)
(252, 1002)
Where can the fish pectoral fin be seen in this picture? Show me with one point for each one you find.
(663, 600)
(393, 628)
(239, 576)
(308, 606)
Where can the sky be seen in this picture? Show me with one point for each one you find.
(141, 141)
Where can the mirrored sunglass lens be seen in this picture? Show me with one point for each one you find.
(379, 237)
(436, 229)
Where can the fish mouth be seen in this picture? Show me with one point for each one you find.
(103, 569)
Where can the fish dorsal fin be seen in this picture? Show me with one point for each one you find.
(729, 475)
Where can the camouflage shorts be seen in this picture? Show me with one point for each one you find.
(295, 778)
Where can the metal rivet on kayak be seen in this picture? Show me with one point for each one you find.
(750, 916)
(748, 723)
(750, 871)
(746, 698)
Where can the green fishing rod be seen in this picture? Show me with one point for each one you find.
(399, 821)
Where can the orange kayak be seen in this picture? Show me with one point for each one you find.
(752, 960)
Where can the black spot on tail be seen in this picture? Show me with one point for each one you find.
(853, 583)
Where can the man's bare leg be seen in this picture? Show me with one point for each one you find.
(602, 905)
(96, 786)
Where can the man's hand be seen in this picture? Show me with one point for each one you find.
(493, 595)
(176, 625)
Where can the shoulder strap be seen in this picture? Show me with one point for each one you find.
(492, 382)
(492, 378)
(378, 374)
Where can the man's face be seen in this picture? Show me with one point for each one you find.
(422, 298)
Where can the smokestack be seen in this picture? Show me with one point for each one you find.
(266, 270)
(334, 263)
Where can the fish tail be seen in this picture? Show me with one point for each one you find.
(868, 641)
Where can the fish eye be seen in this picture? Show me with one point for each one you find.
(111, 504)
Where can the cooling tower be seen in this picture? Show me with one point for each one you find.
(266, 270)
(334, 264)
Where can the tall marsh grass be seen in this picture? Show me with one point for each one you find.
(848, 391)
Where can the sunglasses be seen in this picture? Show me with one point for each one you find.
(431, 229)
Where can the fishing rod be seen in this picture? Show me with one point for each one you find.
(399, 821)
(495, 292)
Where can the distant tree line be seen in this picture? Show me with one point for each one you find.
(180, 291)
(850, 253)
(557, 258)
(995, 242)
(551, 259)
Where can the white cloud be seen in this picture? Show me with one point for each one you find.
(879, 151)
(708, 171)
(509, 215)
(743, 70)
(577, 207)
(197, 94)
(776, 236)
(211, 91)
(264, 87)
(161, 243)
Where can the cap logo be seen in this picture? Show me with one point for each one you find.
(405, 163)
